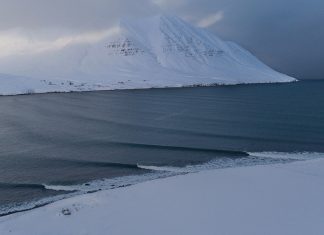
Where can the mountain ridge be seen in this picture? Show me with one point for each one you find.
(161, 51)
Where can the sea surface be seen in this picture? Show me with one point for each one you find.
(57, 145)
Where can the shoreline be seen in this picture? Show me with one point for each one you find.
(156, 173)
(153, 87)
(271, 192)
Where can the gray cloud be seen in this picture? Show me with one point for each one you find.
(288, 35)
(73, 14)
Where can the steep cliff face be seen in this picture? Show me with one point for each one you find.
(162, 51)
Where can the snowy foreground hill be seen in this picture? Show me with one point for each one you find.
(163, 51)
(282, 199)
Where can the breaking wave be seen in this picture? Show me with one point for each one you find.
(288, 155)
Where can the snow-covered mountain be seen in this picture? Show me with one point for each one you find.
(163, 51)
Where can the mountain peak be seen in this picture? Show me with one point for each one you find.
(158, 51)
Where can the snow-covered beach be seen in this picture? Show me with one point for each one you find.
(270, 199)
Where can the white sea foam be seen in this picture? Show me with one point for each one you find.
(164, 168)
(288, 155)
(113, 183)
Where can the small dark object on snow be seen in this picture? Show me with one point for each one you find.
(66, 211)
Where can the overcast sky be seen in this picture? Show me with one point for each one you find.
(288, 35)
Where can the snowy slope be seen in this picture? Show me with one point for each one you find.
(278, 199)
(163, 51)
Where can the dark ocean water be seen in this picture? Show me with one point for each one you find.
(71, 139)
